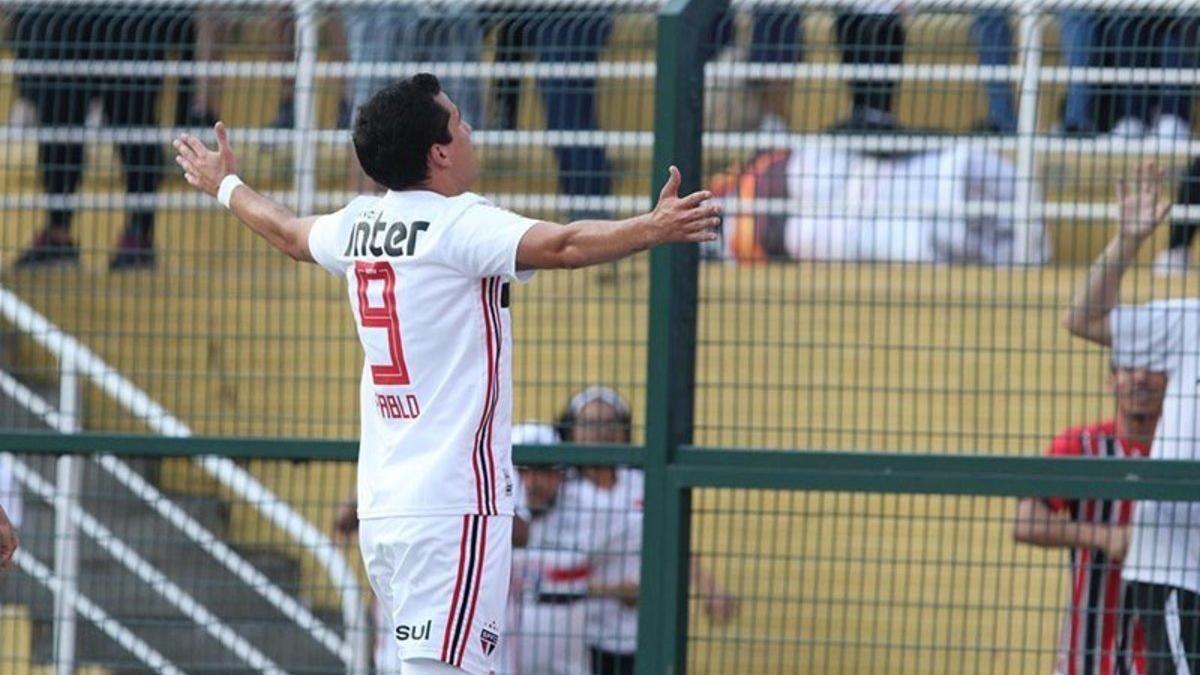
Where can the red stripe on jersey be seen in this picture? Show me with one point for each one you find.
(462, 648)
(462, 555)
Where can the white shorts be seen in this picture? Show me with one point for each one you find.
(443, 583)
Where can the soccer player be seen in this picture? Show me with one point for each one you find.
(1099, 636)
(427, 267)
(1162, 566)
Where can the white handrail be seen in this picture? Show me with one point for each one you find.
(192, 529)
(97, 616)
(225, 471)
(156, 580)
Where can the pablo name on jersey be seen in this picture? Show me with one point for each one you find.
(394, 407)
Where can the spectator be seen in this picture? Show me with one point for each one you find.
(576, 35)
(1154, 40)
(1162, 566)
(1099, 634)
(873, 36)
(281, 25)
(615, 495)
(994, 39)
(96, 32)
(411, 31)
(550, 570)
(1175, 259)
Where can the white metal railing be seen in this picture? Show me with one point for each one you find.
(155, 580)
(97, 616)
(185, 523)
(78, 361)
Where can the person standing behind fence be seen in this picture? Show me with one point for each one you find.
(1099, 635)
(69, 35)
(993, 38)
(1162, 566)
(1168, 40)
(614, 496)
(405, 30)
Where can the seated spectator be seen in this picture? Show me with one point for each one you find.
(1153, 40)
(95, 32)
(1099, 634)
(550, 570)
(614, 496)
(994, 39)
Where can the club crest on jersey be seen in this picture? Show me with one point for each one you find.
(488, 639)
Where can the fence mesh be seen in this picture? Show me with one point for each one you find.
(903, 233)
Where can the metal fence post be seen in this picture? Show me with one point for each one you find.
(305, 153)
(66, 530)
(683, 29)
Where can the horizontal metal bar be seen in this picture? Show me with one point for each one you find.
(938, 474)
(297, 449)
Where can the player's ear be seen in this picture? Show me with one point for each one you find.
(439, 156)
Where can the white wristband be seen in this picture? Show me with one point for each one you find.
(228, 184)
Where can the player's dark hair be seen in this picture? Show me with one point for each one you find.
(395, 128)
(566, 422)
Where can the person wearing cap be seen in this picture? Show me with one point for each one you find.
(614, 497)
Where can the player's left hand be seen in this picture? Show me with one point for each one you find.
(204, 168)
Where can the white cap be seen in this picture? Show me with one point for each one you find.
(534, 433)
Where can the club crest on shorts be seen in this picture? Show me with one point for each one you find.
(488, 639)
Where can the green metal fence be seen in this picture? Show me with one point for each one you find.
(840, 444)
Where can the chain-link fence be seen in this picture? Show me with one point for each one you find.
(911, 193)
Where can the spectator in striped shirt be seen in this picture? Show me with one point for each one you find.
(1099, 635)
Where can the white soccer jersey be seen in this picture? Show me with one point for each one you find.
(1165, 336)
(427, 279)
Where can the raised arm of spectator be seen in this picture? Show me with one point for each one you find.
(720, 605)
(1036, 523)
(591, 242)
(1141, 208)
(8, 540)
(206, 169)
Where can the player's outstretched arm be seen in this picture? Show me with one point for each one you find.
(1038, 524)
(591, 242)
(207, 170)
(1141, 209)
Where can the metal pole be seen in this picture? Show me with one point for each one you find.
(305, 163)
(66, 543)
(1030, 42)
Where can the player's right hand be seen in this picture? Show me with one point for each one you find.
(204, 168)
(1140, 203)
(687, 219)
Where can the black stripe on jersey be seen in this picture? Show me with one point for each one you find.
(481, 432)
(473, 546)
